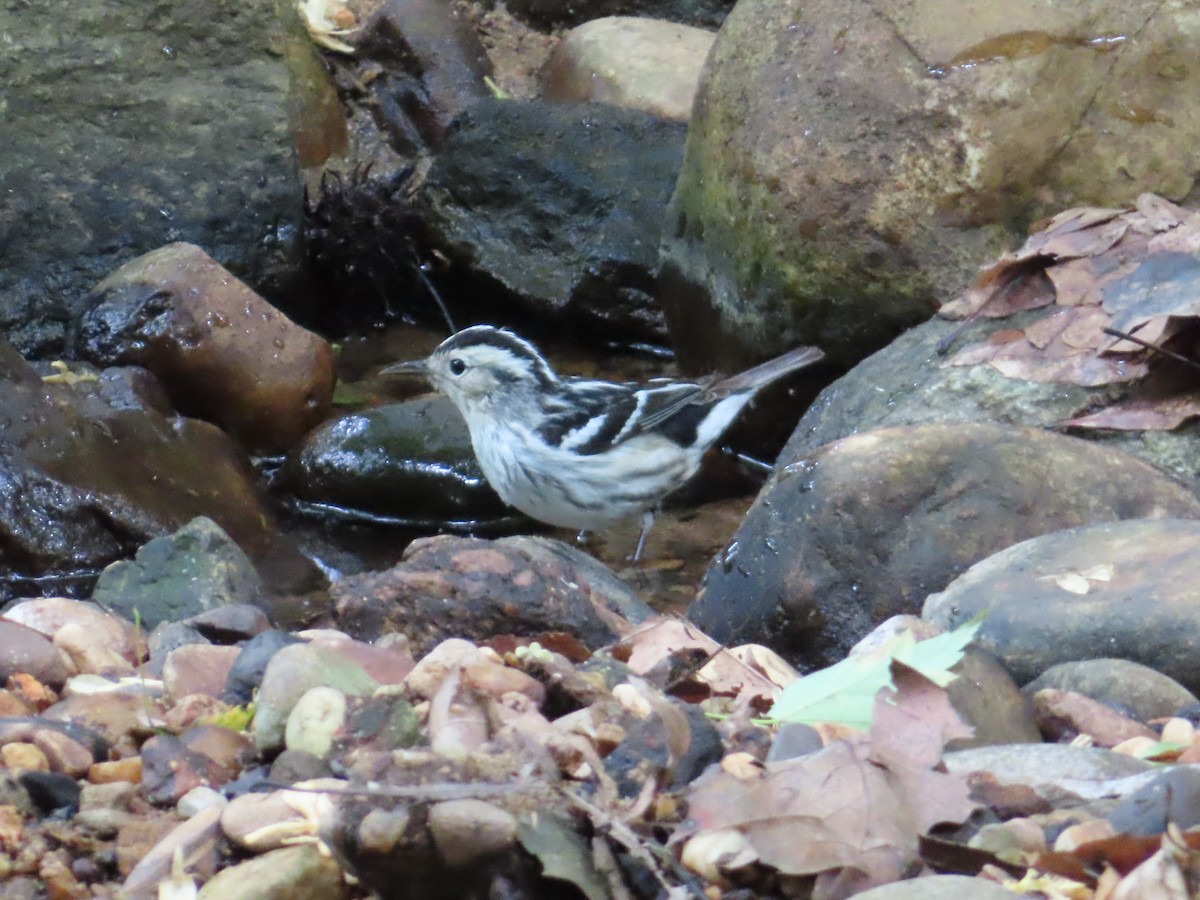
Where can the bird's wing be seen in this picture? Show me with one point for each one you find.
(591, 417)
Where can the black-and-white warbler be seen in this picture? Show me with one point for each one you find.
(577, 452)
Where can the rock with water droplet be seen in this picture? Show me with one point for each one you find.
(899, 513)
(222, 352)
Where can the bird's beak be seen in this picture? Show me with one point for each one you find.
(412, 367)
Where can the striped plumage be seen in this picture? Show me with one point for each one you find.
(577, 452)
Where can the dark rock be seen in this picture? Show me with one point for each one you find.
(837, 204)
(52, 793)
(867, 527)
(555, 210)
(189, 138)
(383, 722)
(1043, 608)
(549, 14)
(109, 483)
(180, 575)
(908, 383)
(230, 624)
(1171, 798)
(469, 587)
(208, 337)
(408, 463)
(432, 67)
(247, 671)
(1124, 685)
(24, 650)
(291, 766)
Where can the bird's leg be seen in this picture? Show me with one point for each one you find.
(647, 523)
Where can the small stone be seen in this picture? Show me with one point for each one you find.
(431, 670)
(251, 813)
(23, 650)
(64, 754)
(248, 669)
(24, 757)
(51, 792)
(469, 832)
(230, 624)
(634, 62)
(119, 770)
(47, 615)
(315, 719)
(89, 651)
(1178, 731)
(111, 795)
(198, 669)
(199, 798)
(292, 873)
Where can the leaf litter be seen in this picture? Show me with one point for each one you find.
(1102, 276)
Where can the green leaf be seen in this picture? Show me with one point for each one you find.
(845, 692)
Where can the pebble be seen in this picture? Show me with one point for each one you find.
(314, 721)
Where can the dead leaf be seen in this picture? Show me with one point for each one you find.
(851, 813)
(1135, 270)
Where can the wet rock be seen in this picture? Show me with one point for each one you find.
(120, 770)
(180, 575)
(548, 14)
(169, 636)
(24, 650)
(47, 615)
(247, 671)
(449, 586)
(293, 873)
(1173, 797)
(198, 669)
(1058, 772)
(170, 770)
(200, 148)
(108, 483)
(992, 123)
(380, 722)
(430, 66)
(565, 230)
(1123, 588)
(1126, 686)
(631, 62)
(908, 383)
(26, 728)
(223, 353)
(869, 526)
(410, 463)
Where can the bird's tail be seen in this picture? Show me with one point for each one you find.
(765, 373)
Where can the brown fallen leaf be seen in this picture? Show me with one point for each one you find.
(1136, 271)
(851, 813)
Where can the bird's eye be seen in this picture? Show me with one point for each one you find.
(457, 366)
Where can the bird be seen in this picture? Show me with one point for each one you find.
(583, 453)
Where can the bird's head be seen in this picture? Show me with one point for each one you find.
(480, 365)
